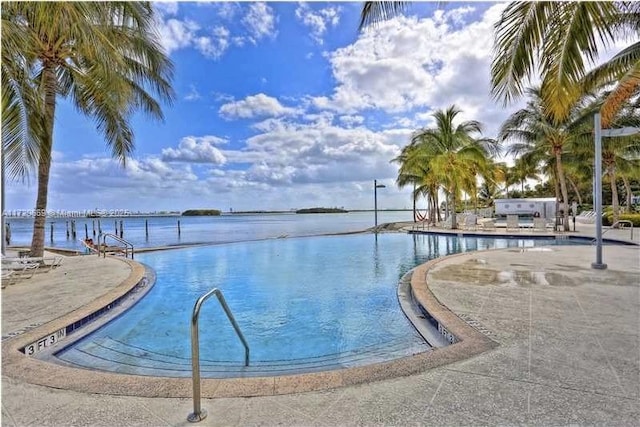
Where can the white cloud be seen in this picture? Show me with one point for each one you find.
(351, 120)
(193, 94)
(318, 21)
(408, 63)
(259, 105)
(260, 22)
(166, 7)
(196, 150)
(227, 10)
(175, 34)
(213, 47)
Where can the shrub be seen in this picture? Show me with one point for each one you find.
(633, 217)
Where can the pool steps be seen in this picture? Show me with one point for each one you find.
(113, 355)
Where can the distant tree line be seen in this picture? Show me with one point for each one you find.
(201, 212)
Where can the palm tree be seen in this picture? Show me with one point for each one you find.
(620, 155)
(455, 154)
(414, 170)
(561, 38)
(102, 56)
(525, 168)
(535, 133)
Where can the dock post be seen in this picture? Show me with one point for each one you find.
(146, 228)
(7, 233)
(73, 229)
(121, 228)
(51, 235)
(115, 224)
(93, 226)
(99, 228)
(86, 231)
(67, 229)
(178, 228)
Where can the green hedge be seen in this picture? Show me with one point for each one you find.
(633, 217)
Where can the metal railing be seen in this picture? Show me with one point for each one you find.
(619, 225)
(200, 414)
(103, 248)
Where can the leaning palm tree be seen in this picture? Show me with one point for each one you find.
(557, 41)
(104, 57)
(533, 132)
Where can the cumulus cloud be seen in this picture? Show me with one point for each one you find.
(260, 22)
(176, 34)
(194, 149)
(318, 21)
(408, 63)
(213, 46)
(259, 105)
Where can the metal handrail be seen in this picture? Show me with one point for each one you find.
(620, 222)
(200, 414)
(126, 244)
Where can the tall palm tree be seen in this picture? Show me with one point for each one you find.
(415, 170)
(557, 41)
(456, 153)
(534, 132)
(104, 57)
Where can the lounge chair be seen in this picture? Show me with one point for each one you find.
(470, 222)
(539, 225)
(488, 224)
(513, 223)
(8, 278)
(46, 263)
(19, 270)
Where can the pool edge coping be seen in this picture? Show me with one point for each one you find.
(19, 366)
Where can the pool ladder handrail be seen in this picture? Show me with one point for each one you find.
(103, 247)
(200, 414)
(618, 225)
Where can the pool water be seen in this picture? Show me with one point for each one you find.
(303, 304)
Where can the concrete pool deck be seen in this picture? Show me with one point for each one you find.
(569, 352)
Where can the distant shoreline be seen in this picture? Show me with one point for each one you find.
(178, 215)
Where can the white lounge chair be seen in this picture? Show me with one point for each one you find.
(470, 222)
(539, 225)
(513, 223)
(488, 224)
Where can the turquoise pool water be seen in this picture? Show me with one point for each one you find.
(303, 304)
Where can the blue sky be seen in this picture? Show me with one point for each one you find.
(280, 106)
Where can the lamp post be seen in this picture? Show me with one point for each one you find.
(375, 201)
(599, 134)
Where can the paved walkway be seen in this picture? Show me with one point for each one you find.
(569, 353)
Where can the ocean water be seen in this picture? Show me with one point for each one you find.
(221, 229)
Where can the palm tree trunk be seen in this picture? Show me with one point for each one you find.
(44, 164)
(563, 189)
(627, 190)
(414, 203)
(614, 194)
(453, 211)
(575, 189)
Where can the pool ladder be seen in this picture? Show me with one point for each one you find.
(200, 414)
(103, 248)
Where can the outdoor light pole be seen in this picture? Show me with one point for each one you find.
(375, 201)
(599, 134)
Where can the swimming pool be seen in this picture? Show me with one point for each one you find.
(304, 304)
